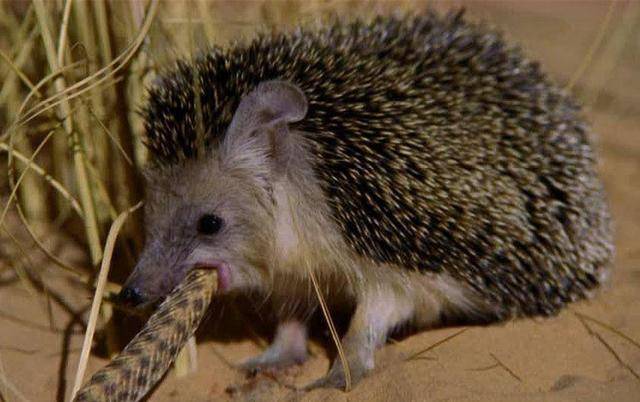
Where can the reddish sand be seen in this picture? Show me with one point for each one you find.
(557, 359)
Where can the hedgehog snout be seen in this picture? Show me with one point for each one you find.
(131, 296)
(159, 269)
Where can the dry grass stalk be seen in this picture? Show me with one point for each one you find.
(86, 198)
(595, 45)
(98, 295)
(332, 330)
(419, 354)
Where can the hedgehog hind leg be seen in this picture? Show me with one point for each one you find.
(289, 348)
(379, 311)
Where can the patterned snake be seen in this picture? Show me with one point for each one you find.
(130, 375)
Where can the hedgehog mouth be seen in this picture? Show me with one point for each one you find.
(224, 272)
(153, 301)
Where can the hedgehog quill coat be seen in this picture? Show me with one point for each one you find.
(429, 150)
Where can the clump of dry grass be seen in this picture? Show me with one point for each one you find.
(72, 159)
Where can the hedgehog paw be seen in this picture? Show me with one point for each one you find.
(289, 348)
(272, 360)
(336, 377)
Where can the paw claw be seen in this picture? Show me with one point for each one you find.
(336, 379)
(327, 381)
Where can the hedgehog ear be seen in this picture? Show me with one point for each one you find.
(270, 103)
(263, 118)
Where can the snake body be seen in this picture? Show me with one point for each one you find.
(141, 364)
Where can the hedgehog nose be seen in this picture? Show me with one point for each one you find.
(130, 296)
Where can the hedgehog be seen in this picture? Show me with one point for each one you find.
(418, 167)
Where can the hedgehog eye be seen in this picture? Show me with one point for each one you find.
(209, 224)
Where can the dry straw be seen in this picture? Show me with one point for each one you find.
(97, 299)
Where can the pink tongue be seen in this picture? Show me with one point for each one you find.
(224, 276)
(224, 272)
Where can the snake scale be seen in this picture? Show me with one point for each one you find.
(141, 364)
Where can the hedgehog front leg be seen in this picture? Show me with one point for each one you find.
(379, 310)
(289, 347)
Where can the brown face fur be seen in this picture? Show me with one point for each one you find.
(233, 182)
(176, 201)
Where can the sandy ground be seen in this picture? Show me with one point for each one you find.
(568, 357)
